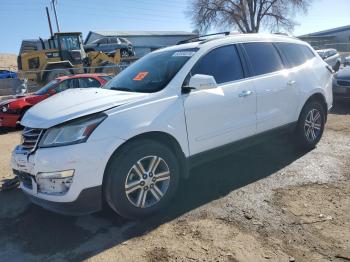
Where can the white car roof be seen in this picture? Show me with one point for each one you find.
(233, 39)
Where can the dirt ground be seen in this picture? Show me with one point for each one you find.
(8, 61)
(270, 202)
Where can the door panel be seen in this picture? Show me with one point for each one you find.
(277, 98)
(225, 114)
(276, 89)
(220, 116)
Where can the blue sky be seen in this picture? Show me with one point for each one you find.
(23, 19)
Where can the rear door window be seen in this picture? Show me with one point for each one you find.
(222, 63)
(263, 57)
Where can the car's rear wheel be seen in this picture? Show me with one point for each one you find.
(124, 53)
(311, 124)
(141, 178)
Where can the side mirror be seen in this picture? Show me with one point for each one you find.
(201, 82)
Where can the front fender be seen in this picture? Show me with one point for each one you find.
(164, 115)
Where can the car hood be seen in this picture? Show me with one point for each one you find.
(343, 74)
(75, 103)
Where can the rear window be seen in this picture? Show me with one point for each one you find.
(106, 78)
(263, 58)
(295, 54)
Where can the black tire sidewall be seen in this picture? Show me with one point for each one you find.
(118, 168)
(301, 136)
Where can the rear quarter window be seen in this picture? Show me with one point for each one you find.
(263, 57)
(295, 54)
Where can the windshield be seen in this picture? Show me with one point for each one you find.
(45, 89)
(151, 73)
(321, 53)
(69, 42)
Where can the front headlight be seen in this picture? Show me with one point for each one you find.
(4, 108)
(72, 132)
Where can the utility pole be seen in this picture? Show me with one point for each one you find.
(53, 2)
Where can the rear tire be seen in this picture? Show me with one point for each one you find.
(124, 53)
(141, 178)
(310, 125)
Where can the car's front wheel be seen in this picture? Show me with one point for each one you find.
(141, 178)
(311, 124)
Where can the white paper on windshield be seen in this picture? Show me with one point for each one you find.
(184, 53)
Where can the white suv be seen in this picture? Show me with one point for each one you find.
(129, 144)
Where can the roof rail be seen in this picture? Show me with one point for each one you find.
(198, 38)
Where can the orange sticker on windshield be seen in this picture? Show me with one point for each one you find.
(140, 76)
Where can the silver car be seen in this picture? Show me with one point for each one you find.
(331, 57)
(347, 61)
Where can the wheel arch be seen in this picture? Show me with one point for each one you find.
(319, 97)
(163, 138)
(158, 136)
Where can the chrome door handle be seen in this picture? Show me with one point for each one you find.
(245, 93)
(291, 82)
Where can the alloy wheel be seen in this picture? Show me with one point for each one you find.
(147, 181)
(312, 125)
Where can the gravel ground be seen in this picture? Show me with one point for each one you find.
(270, 202)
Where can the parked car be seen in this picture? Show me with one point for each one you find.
(347, 61)
(110, 44)
(7, 74)
(341, 84)
(129, 143)
(12, 111)
(331, 57)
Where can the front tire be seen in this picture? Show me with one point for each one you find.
(311, 125)
(141, 178)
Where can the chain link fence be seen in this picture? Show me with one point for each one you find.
(19, 85)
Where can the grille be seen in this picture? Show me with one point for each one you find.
(25, 178)
(343, 83)
(30, 139)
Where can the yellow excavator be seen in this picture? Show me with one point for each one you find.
(41, 61)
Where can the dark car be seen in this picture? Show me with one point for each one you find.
(110, 44)
(341, 84)
(7, 74)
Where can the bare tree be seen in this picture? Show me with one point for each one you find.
(247, 16)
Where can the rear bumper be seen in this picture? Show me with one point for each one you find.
(8, 120)
(88, 201)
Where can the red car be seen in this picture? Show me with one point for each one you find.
(11, 111)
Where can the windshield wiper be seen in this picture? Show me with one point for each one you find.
(122, 89)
